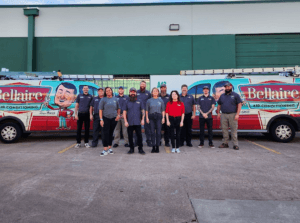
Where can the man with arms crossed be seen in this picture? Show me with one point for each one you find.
(230, 104)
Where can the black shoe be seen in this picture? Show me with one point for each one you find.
(167, 144)
(126, 145)
(130, 151)
(189, 144)
(236, 147)
(211, 146)
(200, 145)
(157, 149)
(94, 145)
(149, 144)
(115, 146)
(141, 151)
(153, 149)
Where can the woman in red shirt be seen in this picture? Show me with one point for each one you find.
(175, 117)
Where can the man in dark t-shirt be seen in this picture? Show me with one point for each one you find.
(230, 104)
(82, 114)
(206, 106)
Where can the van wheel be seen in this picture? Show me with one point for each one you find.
(283, 131)
(10, 132)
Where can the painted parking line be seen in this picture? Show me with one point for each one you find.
(167, 149)
(264, 147)
(66, 149)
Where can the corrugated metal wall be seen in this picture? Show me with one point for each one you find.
(267, 50)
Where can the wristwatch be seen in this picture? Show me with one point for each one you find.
(101, 119)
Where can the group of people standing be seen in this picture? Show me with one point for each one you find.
(156, 111)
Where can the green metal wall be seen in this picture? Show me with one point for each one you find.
(115, 55)
(213, 51)
(13, 53)
(267, 50)
(151, 54)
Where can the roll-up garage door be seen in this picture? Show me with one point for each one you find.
(273, 50)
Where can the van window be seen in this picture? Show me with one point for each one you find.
(92, 90)
(199, 90)
(192, 91)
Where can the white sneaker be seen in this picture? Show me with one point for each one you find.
(173, 150)
(104, 153)
(87, 145)
(110, 151)
(177, 151)
(77, 145)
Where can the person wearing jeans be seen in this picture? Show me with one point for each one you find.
(109, 113)
(155, 116)
(206, 106)
(82, 114)
(175, 118)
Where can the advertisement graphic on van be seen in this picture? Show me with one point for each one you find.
(42, 105)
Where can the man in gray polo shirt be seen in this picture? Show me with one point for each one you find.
(230, 104)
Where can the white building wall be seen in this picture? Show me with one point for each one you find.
(13, 23)
(204, 19)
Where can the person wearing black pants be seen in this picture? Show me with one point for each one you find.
(155, 116)
(82, 114)
(166, 98)
(94, 109)
(109, 113)
(190, 112)
(144, 95)
(134, 115)
(206, 106)
(175, 119)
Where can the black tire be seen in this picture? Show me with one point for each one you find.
(283, 131)
(10, 132)
(267, 135)
(25, 135)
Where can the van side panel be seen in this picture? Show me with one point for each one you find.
(42, 105)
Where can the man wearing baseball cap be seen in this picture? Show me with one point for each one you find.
(122, 100)
(206, 106)
(134, 116)
(230, 104)
(94, 113)
(166, 98)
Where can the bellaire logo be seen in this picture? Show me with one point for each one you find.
(271, 92)
(23, 93)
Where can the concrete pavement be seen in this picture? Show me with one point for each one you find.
(39, 184)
